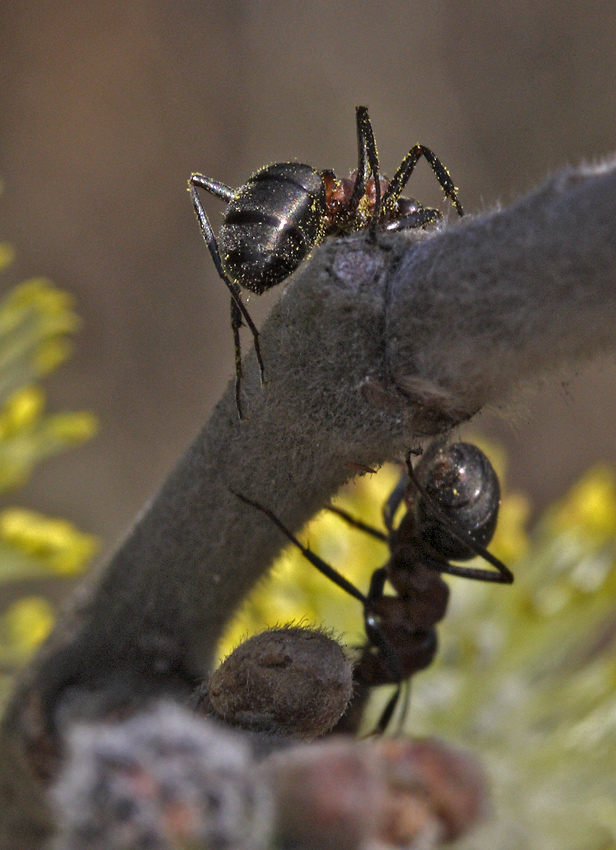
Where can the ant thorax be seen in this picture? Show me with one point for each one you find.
(341, 218)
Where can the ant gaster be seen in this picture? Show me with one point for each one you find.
(452, 500)
(272, 222)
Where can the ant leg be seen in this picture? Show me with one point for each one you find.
(385, 648)
(394, 501)
(390, 709)
(402, 175)
(225, 192)
(388, 712)
(406, 686)
(363, 121)
(365, 128)
(368, 164)
(319, 563)
(376, 590)
(504, 574)
(236, 324)
(357, 523)
(214, 187)
(418, 218)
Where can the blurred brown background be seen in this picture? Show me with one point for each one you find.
(107, 108)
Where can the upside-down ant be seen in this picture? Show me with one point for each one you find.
(452, 500)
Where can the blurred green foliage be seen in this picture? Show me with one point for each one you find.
(525, 675)
(36, 323)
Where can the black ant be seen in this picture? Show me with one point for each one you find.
(272, 222)
(452, 499)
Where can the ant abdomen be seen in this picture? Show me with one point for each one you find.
(271, 225)
(462, 482)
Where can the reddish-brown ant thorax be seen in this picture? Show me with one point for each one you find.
(340, 217)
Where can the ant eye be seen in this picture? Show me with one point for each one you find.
(461, 480)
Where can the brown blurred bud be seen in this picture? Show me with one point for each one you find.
(290, 681)
(450, 781)
(341, 794)
(327, 795)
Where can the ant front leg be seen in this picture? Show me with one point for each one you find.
(226, 193)
(368, 163)
(363, 121)
(403, 174)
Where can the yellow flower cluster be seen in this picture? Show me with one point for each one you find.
(54, 546)
(36, 323)
(29, 435)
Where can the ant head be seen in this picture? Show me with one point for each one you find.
(462, 483)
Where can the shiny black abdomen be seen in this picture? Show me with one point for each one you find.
(462, 482)
(272, 224)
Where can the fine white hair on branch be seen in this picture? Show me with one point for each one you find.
(371, 347)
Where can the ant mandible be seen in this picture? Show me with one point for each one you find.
(452, 499)
(272, 222)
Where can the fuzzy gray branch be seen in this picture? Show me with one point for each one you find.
(370, 348)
